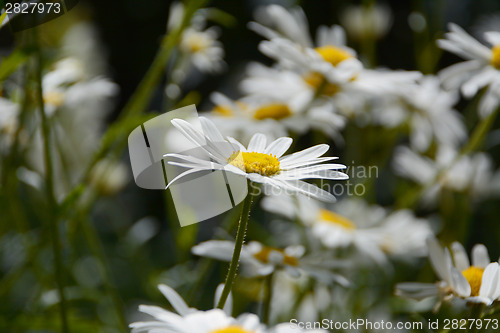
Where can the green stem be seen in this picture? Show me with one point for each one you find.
(97, 249)
(240, 237)
(141, 98)
(52, 203)
(266, 313)
(480, 133)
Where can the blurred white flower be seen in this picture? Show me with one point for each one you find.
(198, 44)
(481, 68)
(9, 122)
(362, 22)
(429, 112)
(77, 98)
(372, 230)
(260, 260)
(203, 48)
(260, 163)
(468, 173)
(67, 85)
(476, 283)
(189, 320)
(256, 259)
(273, 116)
(330, 71)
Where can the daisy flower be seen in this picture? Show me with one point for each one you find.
(370, 229)
(481, 68)
(329, 70)
(476, 283)
(67, 85)
(471, 173)
(256, 258)
(259, 163)
(329, 56)
(429, 111)
(274, 116)
(198, 44)
(189, 320)
(260, 260)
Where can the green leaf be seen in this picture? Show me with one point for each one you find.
(11, 63)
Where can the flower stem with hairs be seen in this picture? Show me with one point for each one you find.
(240, 237)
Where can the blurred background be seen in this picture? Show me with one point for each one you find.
(117, 242)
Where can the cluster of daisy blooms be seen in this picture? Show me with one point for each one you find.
(321, 251)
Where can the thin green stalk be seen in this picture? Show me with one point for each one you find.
(240, 237)
(141, 98)
(266, 311)
(97, 250)
(52, 203)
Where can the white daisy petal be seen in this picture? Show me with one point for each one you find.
(175, 300)
(480, 256)
(306, 154)
(437, 258)
(237, 144)
(220, 250)
(416, 290)
(310, 190)
(479, 299)
(278, 147)
(493, 37)
(210, 130)
(228, 307)
(460, 283)
(490, 281)
(291, 165)
(460, 256)
(257, 143)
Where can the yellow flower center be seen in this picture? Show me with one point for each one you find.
(232, 329)
(223, 110)
(55, 98)
(334, 218)
(474, 276)
(495, 56)
(195, 42)
(263, 255)
(317, 81)
(333, 55)
(263, 164)
(275, 111)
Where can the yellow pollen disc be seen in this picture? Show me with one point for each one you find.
(316, 80)
(333, 55)
(272, 111)
(263, 164)
(232, 329)
(474, 276)
(334, 218)
(263, 255)
(495, 56)
(55, 98)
